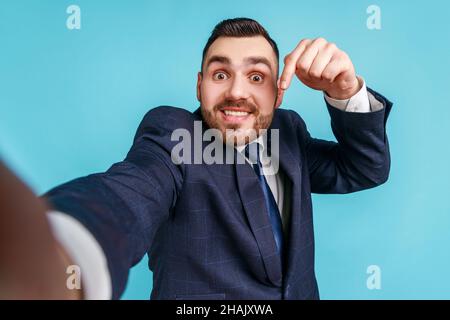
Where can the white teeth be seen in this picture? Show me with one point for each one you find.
(236, 113)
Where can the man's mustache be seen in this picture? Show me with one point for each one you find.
(244, 105)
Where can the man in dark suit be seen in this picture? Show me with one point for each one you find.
(239, 229)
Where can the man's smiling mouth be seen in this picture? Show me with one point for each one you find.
(235, 114)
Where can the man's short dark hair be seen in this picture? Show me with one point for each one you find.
(239, 28)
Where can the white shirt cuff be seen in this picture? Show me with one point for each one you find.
(363, 101)
(86, 252)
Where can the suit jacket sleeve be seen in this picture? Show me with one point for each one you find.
(360, 158)
(124, 206)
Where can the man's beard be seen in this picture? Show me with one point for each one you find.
(233, 134)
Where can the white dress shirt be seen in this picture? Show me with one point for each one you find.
(86, 252)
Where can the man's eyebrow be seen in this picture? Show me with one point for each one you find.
(248, 60)
(220, 59)
(256, 60)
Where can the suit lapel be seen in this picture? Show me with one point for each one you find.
(254, 205)
(291, 166)
(252, 198)
(253, 202)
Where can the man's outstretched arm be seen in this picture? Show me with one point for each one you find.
(120, 210)
(32, 263)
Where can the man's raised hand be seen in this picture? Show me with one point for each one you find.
(321, 65)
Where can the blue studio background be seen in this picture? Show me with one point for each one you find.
(71, 100)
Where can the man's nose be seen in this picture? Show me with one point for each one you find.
(237, 89)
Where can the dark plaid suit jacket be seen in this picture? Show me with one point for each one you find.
(205, 227)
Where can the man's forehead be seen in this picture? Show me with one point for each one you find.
(241, 51)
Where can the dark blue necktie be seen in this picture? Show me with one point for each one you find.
(274, 214)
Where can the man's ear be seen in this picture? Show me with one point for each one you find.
(199, 82)
(280, 94)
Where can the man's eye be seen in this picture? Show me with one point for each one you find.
(220, 76)
(256, 78)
